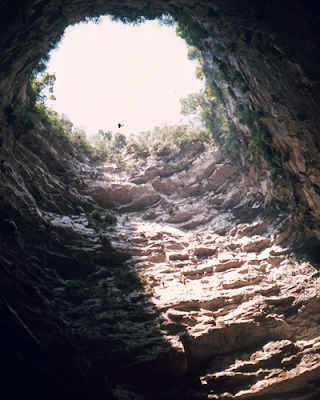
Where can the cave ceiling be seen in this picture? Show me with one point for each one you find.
(28, 27)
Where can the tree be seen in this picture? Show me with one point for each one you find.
(119, 141)
(38, 84)
(105, 136)
(193, 53)
(39, 81)
(193, 103)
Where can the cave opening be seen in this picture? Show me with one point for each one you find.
(231, 285)
(157, 79)
(110, 72)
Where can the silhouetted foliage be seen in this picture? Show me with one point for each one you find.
(186, 27)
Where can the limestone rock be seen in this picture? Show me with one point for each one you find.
(227, 310)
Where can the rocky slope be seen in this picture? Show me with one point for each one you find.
(226, 309)
(200, 290)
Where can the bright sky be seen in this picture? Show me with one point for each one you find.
(114, 73)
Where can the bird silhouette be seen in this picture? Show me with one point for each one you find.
(119, 125)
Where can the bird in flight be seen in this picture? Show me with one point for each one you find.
(119, 125)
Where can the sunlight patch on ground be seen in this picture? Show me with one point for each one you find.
(152, 229)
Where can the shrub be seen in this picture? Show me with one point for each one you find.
(128, 280)
(194, 53)
(167, 140)
(109, 218)
(99, 219)
(96, 215)
(105, 240)
(186, 27)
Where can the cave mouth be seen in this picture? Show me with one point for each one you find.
(39, 344)
(109, 72)
(241, 40)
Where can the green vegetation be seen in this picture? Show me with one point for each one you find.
(209, 107)
(105, 240)
(167, 140)
(222, 84)
(99, 220)
(104, 148)
(260, 141)
(186, 27)
(39, 80)
(108, 147)
(127, 279)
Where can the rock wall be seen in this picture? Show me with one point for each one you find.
(277, 81)
(229, 307)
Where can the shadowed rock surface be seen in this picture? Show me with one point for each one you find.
(230, 307)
